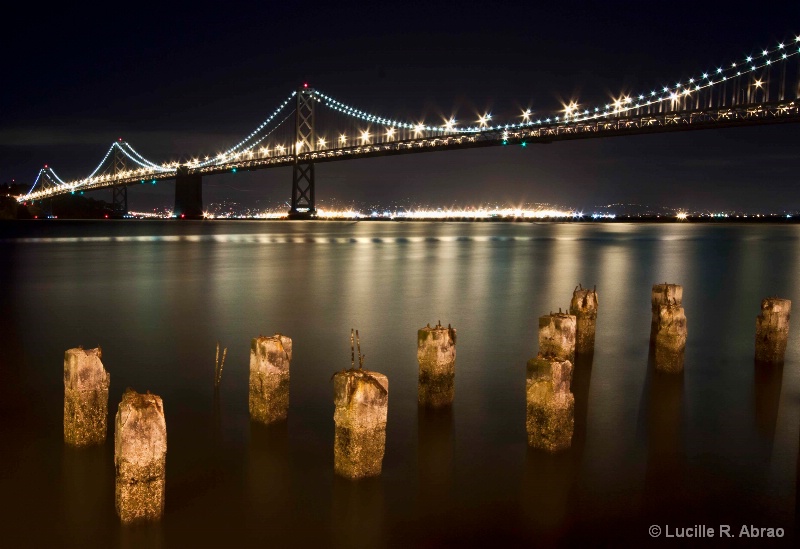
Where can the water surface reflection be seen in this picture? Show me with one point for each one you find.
(718, 443)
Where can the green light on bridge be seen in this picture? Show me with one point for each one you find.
(524, 144)
(505, 142)
(233, 170)
(154, 181)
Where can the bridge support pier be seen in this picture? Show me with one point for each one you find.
(303, 192)
(119, 200)
(47, 208)
(188, 194)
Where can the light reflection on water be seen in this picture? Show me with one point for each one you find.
(718, 444)
(266, 239)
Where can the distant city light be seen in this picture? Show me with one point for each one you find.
(470, 213)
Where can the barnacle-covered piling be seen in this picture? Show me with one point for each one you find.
(772, 330)
(551, 406)
(140, 456)
(270, 357)
(584, 308)
(557, 335)
(85, 397)
(436, 354)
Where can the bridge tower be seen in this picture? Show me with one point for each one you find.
(303, 205)
(119, 193)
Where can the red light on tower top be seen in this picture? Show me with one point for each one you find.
(305, 84)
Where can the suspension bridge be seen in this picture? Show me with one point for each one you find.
(310, 127)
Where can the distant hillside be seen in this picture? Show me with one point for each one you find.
(70, 206)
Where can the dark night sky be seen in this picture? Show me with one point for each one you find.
(192, 79)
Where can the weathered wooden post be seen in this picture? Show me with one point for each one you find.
(557, 335)
(551, 405)
(436, 354)
(584, 308)
(361, 399)
(270, 357)
(663, 294)
(772, 330)
(670, 338)
(85, 397)
(140, 455)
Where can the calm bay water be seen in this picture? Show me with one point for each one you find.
(716, 445)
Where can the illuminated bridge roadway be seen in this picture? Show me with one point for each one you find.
(310, 127)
